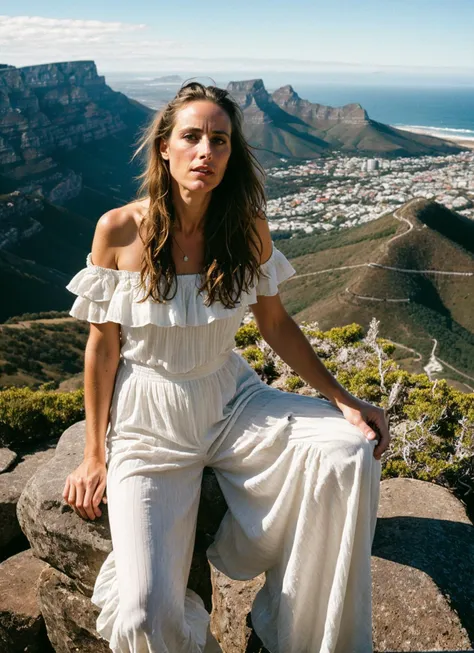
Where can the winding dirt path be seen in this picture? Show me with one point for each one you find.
(435, 364)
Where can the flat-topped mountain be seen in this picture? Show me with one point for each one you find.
(51, 118)
(282, 124)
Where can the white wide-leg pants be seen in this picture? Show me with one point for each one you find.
(302, 488)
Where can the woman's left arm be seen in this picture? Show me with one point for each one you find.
(285, 337)
(289, 342)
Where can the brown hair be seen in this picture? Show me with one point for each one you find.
(229, 227)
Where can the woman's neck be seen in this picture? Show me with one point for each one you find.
(190, 210)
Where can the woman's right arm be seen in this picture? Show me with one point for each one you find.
(85, 486)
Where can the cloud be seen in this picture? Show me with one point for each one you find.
(28, 40)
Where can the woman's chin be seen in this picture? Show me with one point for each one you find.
(200, 185)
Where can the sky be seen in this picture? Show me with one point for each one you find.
(431, 38)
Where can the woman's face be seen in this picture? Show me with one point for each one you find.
(198, 149)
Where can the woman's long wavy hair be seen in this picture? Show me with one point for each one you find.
(232, 244)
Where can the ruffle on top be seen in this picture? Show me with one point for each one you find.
(107, 295)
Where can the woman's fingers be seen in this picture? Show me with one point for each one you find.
(367, 428)
(384, 438)
(80, 491)
(66, 490)
(84, 490)
(89, 506)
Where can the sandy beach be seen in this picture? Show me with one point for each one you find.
(462, 141)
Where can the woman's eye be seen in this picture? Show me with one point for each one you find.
(189, 136)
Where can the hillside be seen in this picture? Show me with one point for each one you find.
(431, 300)
(282, 124)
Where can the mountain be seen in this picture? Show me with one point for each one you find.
(66, 139)
(414, 271)
(282, 124)
(64, 131)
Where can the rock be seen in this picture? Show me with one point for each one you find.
(22, 627)
(7, 458)
(12, 483)
(68, 614)
(232, 601)
(56, 533)
(422, 567)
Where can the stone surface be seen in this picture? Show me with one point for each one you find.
(68, 614)
(12, 484)
(7, 458)
(22, 626)
(232, 601)
(422, 566)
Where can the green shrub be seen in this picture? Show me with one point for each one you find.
(28, 415)
(345, 335)
(292, 383)
(246, 335)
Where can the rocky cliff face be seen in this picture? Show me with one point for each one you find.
(66, 140)
(287, 99)
(253, 99)
(51, 109)
(52, 106)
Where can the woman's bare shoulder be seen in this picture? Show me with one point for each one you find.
(116, 229)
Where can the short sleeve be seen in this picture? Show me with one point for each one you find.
(273, 272)
(94, 287)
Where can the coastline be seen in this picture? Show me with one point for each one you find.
(463, 141)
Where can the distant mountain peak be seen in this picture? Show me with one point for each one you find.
(246, 86)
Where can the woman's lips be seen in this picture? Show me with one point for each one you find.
(202, 173)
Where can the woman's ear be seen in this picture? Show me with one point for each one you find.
(164, 150)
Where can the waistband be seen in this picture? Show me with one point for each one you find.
(162, 374)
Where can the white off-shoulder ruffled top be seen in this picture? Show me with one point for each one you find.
(179, 335)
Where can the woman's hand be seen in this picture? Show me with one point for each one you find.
(85, 486)
(370, 419)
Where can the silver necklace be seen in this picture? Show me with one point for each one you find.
(185, 258)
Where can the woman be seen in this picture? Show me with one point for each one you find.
(166, 285)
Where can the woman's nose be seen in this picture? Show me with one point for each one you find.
(205, 148)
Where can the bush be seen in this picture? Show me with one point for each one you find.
(248, 334)
(28, 415)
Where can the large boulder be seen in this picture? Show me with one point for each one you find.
(75, 548)
(69, 614)
(422, 566)
(22, 628)
(18, 469)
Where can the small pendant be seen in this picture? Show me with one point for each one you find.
(185, 258)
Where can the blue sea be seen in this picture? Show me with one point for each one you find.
(443, 111)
